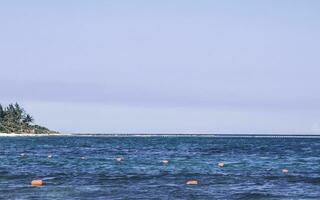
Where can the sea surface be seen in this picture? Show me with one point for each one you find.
(86, 167)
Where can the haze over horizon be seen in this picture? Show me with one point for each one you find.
(163, 67)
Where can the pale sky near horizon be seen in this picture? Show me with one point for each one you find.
(163, 66)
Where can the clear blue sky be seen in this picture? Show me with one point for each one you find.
(163, 66)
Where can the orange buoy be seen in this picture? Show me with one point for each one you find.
(285, 170)
(221, 164)
(165, 162)
(192, 182)
(119, 159)
(37, 183)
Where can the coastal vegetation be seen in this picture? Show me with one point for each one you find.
(14, 119)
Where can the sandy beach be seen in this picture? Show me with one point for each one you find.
(30, 134)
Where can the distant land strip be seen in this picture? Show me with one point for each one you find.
(197, 135)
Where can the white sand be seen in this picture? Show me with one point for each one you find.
(29, 134)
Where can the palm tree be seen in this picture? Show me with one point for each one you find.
(28, 119)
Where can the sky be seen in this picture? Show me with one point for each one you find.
(170, 66)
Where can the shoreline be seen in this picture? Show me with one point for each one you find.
(216, 135)
(31, 134)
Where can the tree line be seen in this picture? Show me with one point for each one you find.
(14, 119)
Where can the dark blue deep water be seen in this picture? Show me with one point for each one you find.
(253, 168)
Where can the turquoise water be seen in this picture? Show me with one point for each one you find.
(253, 168)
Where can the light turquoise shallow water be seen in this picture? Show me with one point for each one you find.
(253, 168)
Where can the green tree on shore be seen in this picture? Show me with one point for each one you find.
(14, 119)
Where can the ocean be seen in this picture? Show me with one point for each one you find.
(77, 167)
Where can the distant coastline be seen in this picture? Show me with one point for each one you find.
(193, 134)
(218, 135)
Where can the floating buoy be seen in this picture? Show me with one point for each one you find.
(221, 164)
(119, 159)
(192, 182)
(37, 183)
(165, 162)
(285, 170)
